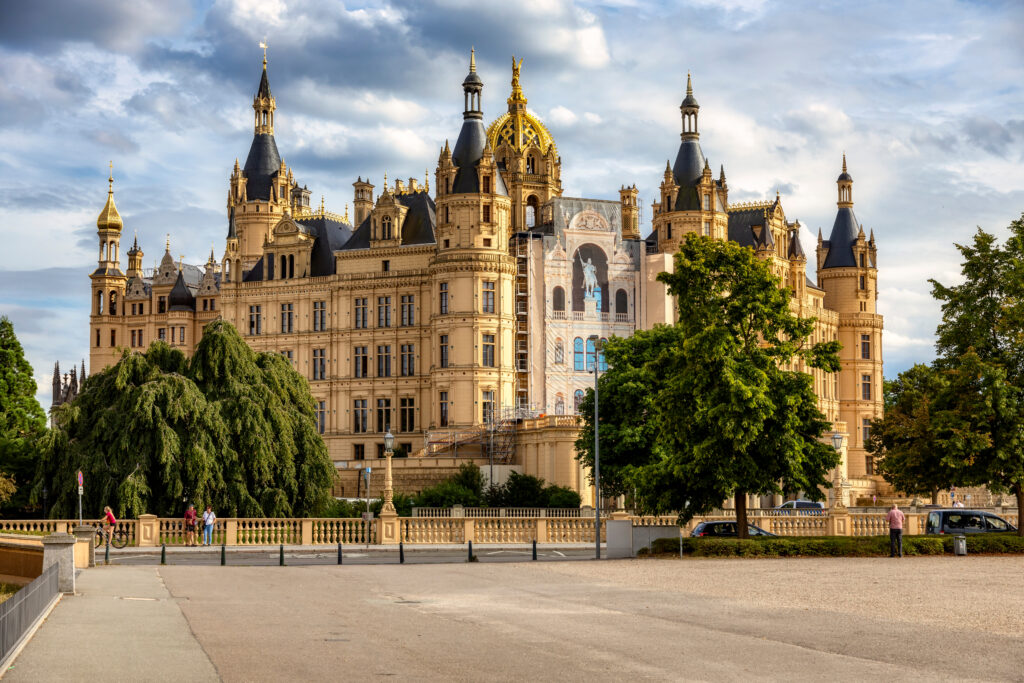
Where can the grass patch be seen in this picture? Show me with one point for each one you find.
(820, 546)
(7, 590)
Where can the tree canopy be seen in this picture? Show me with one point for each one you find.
(696, 412)
(22, 421)
(229, 427)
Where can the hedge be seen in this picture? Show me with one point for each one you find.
(987, 543)
(820, 546)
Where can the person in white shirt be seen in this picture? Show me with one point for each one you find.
(208, 520)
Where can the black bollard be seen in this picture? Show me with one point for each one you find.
(282, 554)
(470, 558)
(339, 553)
(401, 553)
(535, 548)
(106, 553)
(163, 553)
(223, 555)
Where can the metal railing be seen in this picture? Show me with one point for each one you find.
(19, 612)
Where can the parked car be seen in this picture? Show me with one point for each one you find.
(961, 521)
(800, 507)
(725, 529)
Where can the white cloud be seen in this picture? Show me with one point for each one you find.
(562, 116)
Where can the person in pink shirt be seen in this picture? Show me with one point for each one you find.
(895, 519)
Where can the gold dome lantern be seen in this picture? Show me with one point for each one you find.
(517, 128)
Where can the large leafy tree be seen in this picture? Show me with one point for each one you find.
(708, 408)
(982, 336)
(229, 427)
(22, 421)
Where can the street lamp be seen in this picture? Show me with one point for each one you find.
(389, 444)
(837, 440)
(840, 480)
(597, 454)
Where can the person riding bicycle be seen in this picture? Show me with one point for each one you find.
(109, 522)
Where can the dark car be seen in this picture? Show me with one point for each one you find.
(800, 507)
(961, 521)
(725, 530)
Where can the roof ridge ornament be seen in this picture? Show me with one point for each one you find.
(472, 60)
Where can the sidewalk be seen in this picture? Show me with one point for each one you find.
(347, 548)
(122, 625)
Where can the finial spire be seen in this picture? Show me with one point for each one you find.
(472, 60)
(844, 162)
(263, 44)
(110, 179)
(385, 181)
(321, 205)
(346, 212)
(689, 84)
(426, 179)
(167, 244)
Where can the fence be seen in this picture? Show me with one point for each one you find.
(19, 612)
(459, 511)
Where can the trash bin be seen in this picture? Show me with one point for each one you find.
(959, 545)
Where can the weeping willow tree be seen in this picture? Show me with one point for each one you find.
(230, 428)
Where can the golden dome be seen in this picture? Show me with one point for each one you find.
(518, 128)
(109, 218)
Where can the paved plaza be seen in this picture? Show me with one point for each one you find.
(929, 618)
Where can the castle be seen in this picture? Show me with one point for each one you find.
(466, 321)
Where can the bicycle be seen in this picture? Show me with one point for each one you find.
(118, 539)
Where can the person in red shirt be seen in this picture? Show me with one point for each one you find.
(190, 525)
(895, 519)
(110, 521)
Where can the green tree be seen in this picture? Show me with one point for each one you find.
(22, 421)
(925, 438)
(231, 428)
(982, 336)
(715, 411)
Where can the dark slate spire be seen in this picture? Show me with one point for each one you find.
(232, 231)
(690, 162)
(469, 148)
(264, 91)
(264, 161)
(55, 398)
(180, 298)
(845, 228)
(796, 250)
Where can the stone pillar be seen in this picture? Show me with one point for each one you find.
(231, 532)
(306, 531)
(59, 549)
(387, 526)
(148, 528)
(542, 530)
(85, 535)
(619, 536)
(838, 522)
(458, 511)
(469, 529)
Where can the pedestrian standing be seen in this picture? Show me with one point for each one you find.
(895, 519)
(190, 525)
(208, 520)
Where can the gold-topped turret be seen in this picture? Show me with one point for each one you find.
(518, 128)
(109, 218)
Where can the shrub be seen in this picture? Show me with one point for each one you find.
(986, 543)
(780, 546)
(561, 497)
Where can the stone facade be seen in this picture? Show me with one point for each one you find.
(464, 320)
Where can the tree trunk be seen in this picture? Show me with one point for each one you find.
(935, 496)
(741, 514)
(1018, 491)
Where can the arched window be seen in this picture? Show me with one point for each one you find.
(621, 301)
(559, 404)
(531, 164)
(113, 302)
(291, 265)
(559, 352)
(590, 354)
(577, 400)
(385, 228)
(577, 348)
(532, 209)
(99, 305)
(558, 299)
(602, 363)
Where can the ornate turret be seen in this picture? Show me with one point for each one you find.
(135, 255)
(469, 148)
(181, 298)
(845, 229)
(108, 228)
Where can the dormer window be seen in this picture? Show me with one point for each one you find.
(707, 202)
(385, 228)
(487, 183)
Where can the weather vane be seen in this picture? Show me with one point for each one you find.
(263, 44)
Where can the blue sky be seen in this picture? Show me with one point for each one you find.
(924, 97)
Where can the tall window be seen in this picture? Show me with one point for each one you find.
(383, 311)
(862, 282)
(707, 203)
(181, 335)
(601, 362)
(359, 364)
(559, 352)
(406, 414)
(591, 353)
(488, 351)
(558, 299)
(359, 451)
(444, 350)
(408, 360)
(384, 360)
(487, 213)
(444, 408)
(362, 319)
(668, 231)
(113, 337)
(319, 363)
(287, 318)
(487, 183)
(487, 405)
(865, 346)
(869, 464)
(319, 316)
(577, 400)
(577, 348)
(359, 412)
(142, 308)
(488, 298)
(385, 228)
(289, 354)
(408, 310)
(161, 305)
(255, 320)
(444, 298)
(321, 416)
(161, 334)
(865, 430)
(133, 338)
(383, 414)
(865, 387)
(707, 228)
(97, 337)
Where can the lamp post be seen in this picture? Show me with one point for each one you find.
(597, 454)
(389, 444)
(837, 443)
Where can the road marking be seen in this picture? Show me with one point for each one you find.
(146, 599)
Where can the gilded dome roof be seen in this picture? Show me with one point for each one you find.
(518, 128)
(109, 218)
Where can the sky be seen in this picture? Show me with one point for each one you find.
(926, 99)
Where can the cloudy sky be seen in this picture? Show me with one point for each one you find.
(924, 97)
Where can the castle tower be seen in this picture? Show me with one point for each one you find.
(630, 213)
(527, 157)
(848, 272)
(108, 283)
(472, 276)
(691, 200)
(259, 192)
(135, 255)
(362, 200)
